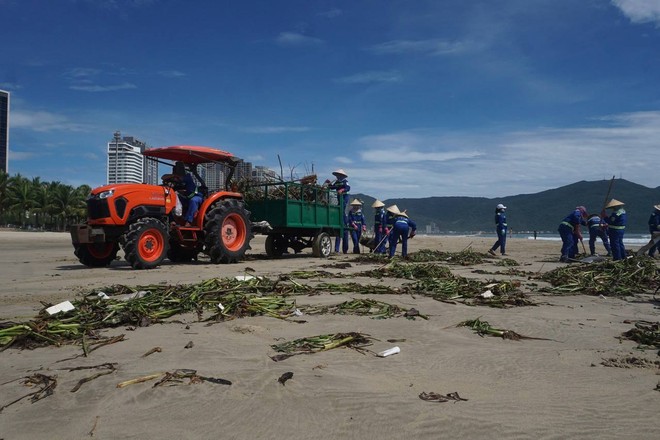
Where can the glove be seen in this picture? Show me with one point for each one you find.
(380, 230)
(412, 234)
(387, 230)
(364, 228)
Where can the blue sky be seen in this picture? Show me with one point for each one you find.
(412, 98)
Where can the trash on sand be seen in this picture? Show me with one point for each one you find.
(65, 306)
(297, 312)
(487, 294)
(102, 295)
(286, 376)
(389, 351)
(244, 277)
(435, 397)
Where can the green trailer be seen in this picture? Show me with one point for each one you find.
(296, 216)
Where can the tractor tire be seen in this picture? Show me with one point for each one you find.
(322, 246)
(146, 243)
(276, 245)
(228, 232)
(96, 254)
(179, 254)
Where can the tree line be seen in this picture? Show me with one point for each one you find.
(33, 203)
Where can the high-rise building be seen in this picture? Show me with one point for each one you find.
(243, 170)
(4, 131)
(263, 174)
(126, 164)
(214, 175)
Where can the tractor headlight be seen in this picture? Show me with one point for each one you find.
(106, 194)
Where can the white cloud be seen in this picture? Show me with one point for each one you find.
(42, 121)
(424, 163)
(20, 155)
(274, 129)
(640, 11)
(296, 39)
(102, 88)
(171, 73)
(370, 77)
(429, 47)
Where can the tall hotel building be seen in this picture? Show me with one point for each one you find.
(4, 131)
(126, 164)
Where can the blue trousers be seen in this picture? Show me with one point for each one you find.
(598, 232)
(501, 241)
(193, 207)
(355, 237)
(616, 243)
(379, 236)
(568, 244)
(400, 230)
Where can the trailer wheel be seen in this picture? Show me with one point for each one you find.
(180, 254)
(96, 254)
(146, 243)
(322, 246)
(276, 245)
(228, 232)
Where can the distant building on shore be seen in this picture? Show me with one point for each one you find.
(126, 164)
(4, 131)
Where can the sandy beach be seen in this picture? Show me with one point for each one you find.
(542, 389)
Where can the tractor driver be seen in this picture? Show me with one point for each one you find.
(191, 198)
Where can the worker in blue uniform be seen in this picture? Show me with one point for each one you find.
(380, 226)
(654, 229)
(402, 228)
(616, 228)
(340, 184)
(597, 230)
(191, 197)
(500, 228)
(356, 224)
(567, 231)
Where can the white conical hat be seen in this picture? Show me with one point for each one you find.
(356, 202)
(657, 207)
(377, 204)
(393, 209)
(614, 203)
(340, 172)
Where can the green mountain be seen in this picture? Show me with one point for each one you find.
(541, 211)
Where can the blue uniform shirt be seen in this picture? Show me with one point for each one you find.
(617, 219)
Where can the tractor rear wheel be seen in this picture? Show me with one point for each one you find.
(228, 232)
(146, 243)
(96, 254)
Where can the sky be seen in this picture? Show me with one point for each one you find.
(412, 98)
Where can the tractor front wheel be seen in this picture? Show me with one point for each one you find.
(96, 254)
(228, 232)
(146, 243)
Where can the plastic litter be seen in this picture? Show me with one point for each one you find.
(297, 312)
(102, 295)
(389, 351)
(487, 294)
(61, 307)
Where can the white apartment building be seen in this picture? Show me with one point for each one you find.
(126, 164)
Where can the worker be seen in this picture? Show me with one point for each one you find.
(357, 224)
(340, 184)
(616, 228)
(597, 230)
(191, 197)
(380, 226)
(403, 228)
(567, 231)
(500, 228)
(654, 229)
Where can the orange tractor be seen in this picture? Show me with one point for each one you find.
(142, 218)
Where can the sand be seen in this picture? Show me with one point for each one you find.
(539, 389)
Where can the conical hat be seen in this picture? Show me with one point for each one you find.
(614, 203)
(402, 214)
(657, 207)
(393, 209)
(356, 202)
(340, 172)
(377, 204)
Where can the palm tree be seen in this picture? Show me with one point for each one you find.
(4, 183)
(66, 203)
(42, 197)
(20, 197)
